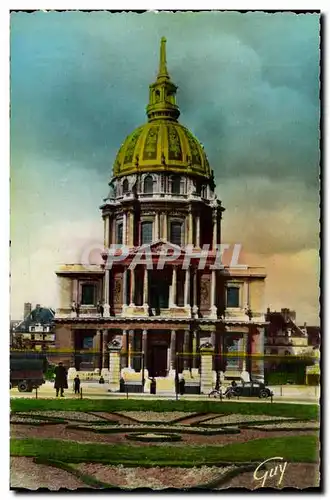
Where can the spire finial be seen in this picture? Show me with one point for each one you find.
(162, 59)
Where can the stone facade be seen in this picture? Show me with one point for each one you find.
(162, 202)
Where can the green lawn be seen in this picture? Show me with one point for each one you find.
(300, 411)
(294, 449)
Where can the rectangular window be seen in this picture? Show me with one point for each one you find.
(176, 233)
(88, 294)
(232, 296)
(146, 232)
(120, 233)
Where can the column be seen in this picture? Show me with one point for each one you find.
(198, 231)
(257, 349)
(165, 226)
(195, 306)
(132, 289)
(106, 231)
(244, 343)
(190, 228)
(213, 294)
(124, 289)
(187, 288)
(72, 361)
(144, 349)
(124, 228)
(106, 293)
(114, 369)
(130, 349)
(206, 369)
(145, 290)
(97, 349)
(131, 230)
(105, 361)
(111, 226)
(194, 350)
(125, 348)
(173, 293)
(246, 295)
(173, 351)
(215, 226)
(157, 226)
(186, 359)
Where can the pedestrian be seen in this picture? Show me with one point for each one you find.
(61, 381)
(76, 384)
(78, 310)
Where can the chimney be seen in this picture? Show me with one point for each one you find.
(27, 309)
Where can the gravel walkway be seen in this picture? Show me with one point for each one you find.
(235, 418)
(156, 478)
(297, 475)
(24, 473)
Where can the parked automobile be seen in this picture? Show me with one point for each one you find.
(27, 372)
(250, 389)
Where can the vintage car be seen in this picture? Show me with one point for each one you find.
(249, 389)
(27, 372)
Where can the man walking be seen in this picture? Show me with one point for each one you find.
(61, 381)
(76, 384)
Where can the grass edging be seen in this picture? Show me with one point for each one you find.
(301, 411)
(303, 448)
(85, 478)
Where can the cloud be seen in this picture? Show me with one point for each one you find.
(248, 89)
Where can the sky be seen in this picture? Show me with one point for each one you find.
(248, 88)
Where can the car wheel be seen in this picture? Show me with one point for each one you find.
(23, 386)
(263, 393)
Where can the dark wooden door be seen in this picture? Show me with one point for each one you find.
(158, 360)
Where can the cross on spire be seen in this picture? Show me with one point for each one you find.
(162, 59)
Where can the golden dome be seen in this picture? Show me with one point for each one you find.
(162, 144)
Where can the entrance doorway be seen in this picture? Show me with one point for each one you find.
(159, 290)
(157, 363)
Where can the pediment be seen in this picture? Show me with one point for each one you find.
(161, 246)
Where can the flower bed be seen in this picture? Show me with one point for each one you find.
(63, 415)
(153, 437)
(237, 418)
(287, 426)
(15, 419)
(103, 428)
(156, 416)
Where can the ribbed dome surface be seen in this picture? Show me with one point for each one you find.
(161, 145)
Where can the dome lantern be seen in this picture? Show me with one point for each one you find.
(162, 101)
(162, 144)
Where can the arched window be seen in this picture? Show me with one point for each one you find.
(125, 186)
(148, 184)
(146, 232)
(176, 184)
(204, 191)
(176, 233)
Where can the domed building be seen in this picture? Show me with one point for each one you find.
(160, 305)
